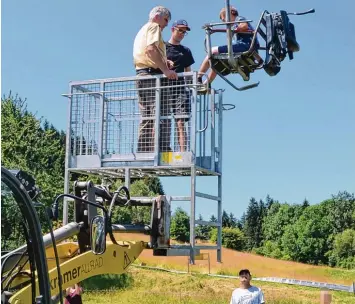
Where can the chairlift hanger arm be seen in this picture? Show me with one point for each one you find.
(311, 11)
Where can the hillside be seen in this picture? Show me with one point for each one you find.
(150, 287)
(233, 261)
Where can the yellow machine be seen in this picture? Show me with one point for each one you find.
(75, 268)
(41, 269)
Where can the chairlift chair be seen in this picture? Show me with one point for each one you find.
(274, 29)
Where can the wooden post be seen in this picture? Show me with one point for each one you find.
(188, 264)
(325, 297)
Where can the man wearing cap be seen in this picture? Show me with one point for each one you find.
(181, 60)
(246, 293)
(149, 54)
(241, 42)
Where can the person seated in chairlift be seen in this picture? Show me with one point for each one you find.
(241, 42)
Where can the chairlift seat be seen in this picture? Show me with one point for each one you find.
(247, 63)
(279, 35)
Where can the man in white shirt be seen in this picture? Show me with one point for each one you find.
(246, 293)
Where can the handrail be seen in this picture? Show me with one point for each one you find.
(206, 110)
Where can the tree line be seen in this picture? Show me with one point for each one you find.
(321, 234)
(34, 145)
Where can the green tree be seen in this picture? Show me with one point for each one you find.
(343, 253)
(306, 240)
(232, 220)
(232, 238)
(154, 184)
(253, 223)
(225, 219)
(241, 222)
(228, 220)
(135, 215)
(269, 202)
(341, 211)
(213, 219)
(271, 249)
(12, 223)
(202, 231)
(278, 217)
(32, 145)
(305, 204)
(180, 225)
(28, 146)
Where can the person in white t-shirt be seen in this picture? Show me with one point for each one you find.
(246, 293)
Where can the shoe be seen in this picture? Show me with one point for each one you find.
(203, 88)
(200, 85)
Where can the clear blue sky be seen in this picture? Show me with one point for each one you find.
(293, 137)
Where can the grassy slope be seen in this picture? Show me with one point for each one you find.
(150, 287)
(233, 261)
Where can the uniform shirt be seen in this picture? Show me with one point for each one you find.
(246, 38)
(149, 34)
(252, 295)
(180, 55)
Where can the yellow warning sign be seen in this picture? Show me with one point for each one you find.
(126, 261)
(167, 157)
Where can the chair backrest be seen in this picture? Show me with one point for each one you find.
(280, 41)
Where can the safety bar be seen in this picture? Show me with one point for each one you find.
(209, 25)
(234, 31)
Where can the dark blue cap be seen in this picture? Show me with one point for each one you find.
(181, 23)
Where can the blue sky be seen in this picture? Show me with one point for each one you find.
(293, 137)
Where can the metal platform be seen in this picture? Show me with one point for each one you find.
(124, 123)
(140, 172)
(133, 127)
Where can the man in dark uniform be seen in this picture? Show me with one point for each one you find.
(181, 59)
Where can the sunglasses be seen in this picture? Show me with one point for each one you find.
(181, 31)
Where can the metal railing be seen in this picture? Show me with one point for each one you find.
(136, 120)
